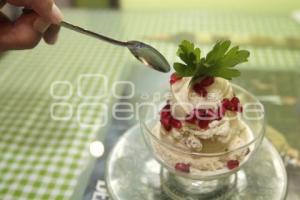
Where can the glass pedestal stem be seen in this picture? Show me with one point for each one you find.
(179, 188)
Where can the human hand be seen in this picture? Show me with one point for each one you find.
(26, 31)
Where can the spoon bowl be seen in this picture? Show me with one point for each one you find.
(149, 56)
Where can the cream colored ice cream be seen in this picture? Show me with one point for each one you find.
(201, 164)
(227, 133)
(184, 99)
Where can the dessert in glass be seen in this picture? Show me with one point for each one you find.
(207, 128)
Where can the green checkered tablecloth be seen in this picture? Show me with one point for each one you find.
(42, 157)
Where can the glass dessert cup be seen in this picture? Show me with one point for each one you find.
(197, 183)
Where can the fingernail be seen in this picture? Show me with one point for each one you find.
(53, 39)
(57, 16)
(40, 25)
(51, 35)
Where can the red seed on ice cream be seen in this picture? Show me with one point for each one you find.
(200, 90)
(176, 123)
(207, 81)
(182, 167)
(231, 164)
(174, 77)
(165, 117)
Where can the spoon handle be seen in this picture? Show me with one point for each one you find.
(93, 34)
(77, 29)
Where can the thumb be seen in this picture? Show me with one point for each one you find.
(47, 9)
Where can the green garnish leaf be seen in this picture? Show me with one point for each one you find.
(183, 70)
(190, 56)
(219, 62)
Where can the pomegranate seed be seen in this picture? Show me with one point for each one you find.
(200, 113)
(200, 90)
(174, 77)
(227, 104)
(207, 81)
(235, 103)
(183, 167)
(175, 123)
(165, 111)
(231, 164)
(197, 87)
(165, 117)
(196, 115)
(164, 114)
(203, 124)
(213, 113)
(166, 123)
(166, 107)
(191, 119)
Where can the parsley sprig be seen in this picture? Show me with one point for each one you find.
(219, 62)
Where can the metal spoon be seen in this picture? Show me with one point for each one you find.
(143, 52)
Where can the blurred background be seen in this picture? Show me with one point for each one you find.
(222, 5)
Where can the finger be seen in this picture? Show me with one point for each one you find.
(39, 23)
(20, 34)
(3, 18)
(45, 8)
(2, 3)
(51, 35)
(48, 10)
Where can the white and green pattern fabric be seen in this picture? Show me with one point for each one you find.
(42, 157)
